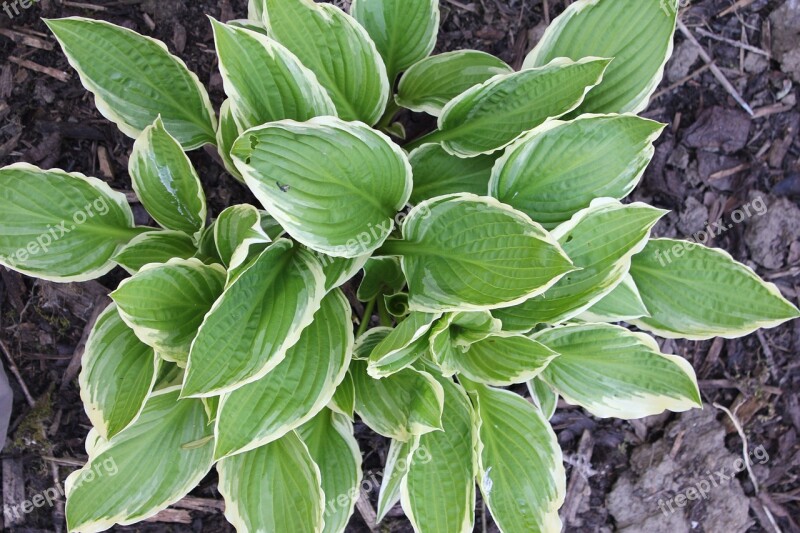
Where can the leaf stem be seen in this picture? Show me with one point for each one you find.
(433, 137)
(383, 313)
(365, 318)
(392, 108)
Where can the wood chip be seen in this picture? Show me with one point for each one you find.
(172, 516)
(578, 488)
(60, 75)
(26, 39)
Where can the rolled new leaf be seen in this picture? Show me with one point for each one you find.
(118, 371)
(334, 46)
(264, 81)
(430, 84)
(257, 319)
(636, 33)
(613, 372)
(165, 304)
(695, 292)
(520, 465)
(557, 169)
(144, 469)
(469, 253)
(402, 346)
(334, 186)
(262, 485)
(135, 79)
(166, 182)
(492, 115)
(295, 390)
(404, 31)
(60, 226)
(333, 447)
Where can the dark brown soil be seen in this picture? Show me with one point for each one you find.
(711, 161)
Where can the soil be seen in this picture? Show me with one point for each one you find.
(714, 163)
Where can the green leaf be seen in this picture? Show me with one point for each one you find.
(557, 169)
(166, 182)
(694, 292)
(118, 371)
(264, 81)
(636, 33)
(399, 406)
(520, 466)
(543, 396)
(382, 275)
(470, 253)
(404, 345)
(143, 470)
(255, 10)
(227, 133)
(334, 186)
(259, 317)
(438, 493)
(502, 360)
(238, 226)
(612, 372)
(492, 115)
(135, 79)
(273, 489)
(430, 84)
(60, 226)
(437, 173)
(368, 341)
(624, 303)
(295, 390)
(165, 304)
(333, 447)
(404, 31)
(398, 460)
(338, 50)
(600, 240)
(397, 304)
(344, 399)
(455, 333)
(340, 270)
(155, 247)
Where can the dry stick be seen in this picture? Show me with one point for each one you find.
(745, 446)
(579, 479)
(367, 512)
(60, 75)
(715, 69)
(14, 370)
(737, 44)
(734, 7)
(680, 82)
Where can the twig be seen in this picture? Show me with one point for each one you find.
(680, 82)
(739, 4)
(745, 446)
(27, 40)
(60, 75)
(731, 42)
(768, 355)
(367, 512)
(12, 366)
(579, 480)
(715, 69)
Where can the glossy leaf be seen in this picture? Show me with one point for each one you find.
(295, 390)
(557, 169)
(470, 253)
(492, 115)
(155, 247)
(262, 485)
(438, 492)
(165, 304)
(60, 226)
(166, 182)
(431, 83)
(121, 485)
(694, 292)
(437, 173)
(636, 33)
(264, 81)
(259, 317)
(404, 31)
(118, 372)
(399, 406)
(520, 470)
(612, 372)
(135, 79)
(333, 447)
(338, 50)
(334, 186)
(600, 240)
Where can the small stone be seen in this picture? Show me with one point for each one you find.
(684, 57)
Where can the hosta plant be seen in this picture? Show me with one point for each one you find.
(497, 253)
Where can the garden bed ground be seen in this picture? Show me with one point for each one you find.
(711, 161)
